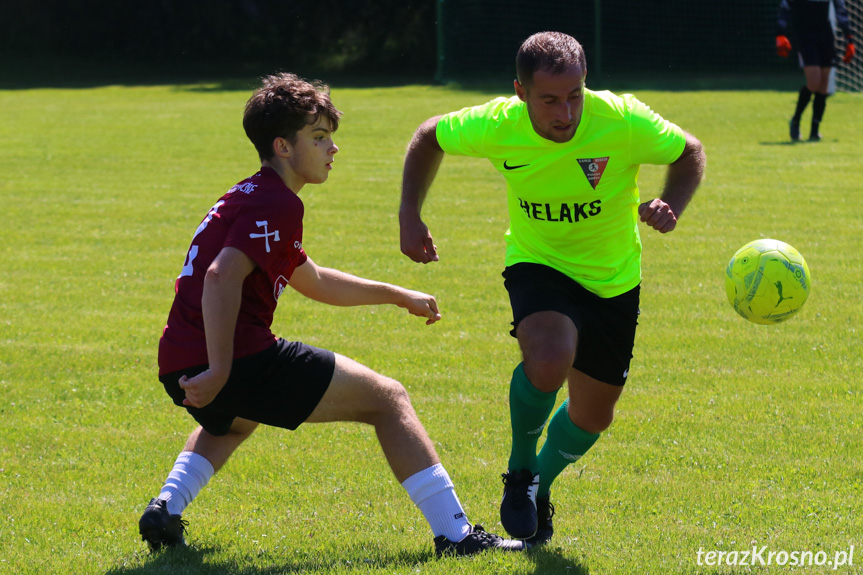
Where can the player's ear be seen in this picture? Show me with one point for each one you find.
(282, 147)
(520, 90)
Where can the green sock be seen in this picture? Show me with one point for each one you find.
(529, 409)
(565, 444)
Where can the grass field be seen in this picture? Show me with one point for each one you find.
(730, 435)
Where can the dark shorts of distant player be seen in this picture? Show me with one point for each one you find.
(279, 386)
(817, 49)
(606, 326)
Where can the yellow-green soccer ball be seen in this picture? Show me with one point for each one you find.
(767, 281)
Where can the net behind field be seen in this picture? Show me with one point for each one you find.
(849, 77)
(622, 38)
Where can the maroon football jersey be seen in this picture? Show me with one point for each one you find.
(262, 218)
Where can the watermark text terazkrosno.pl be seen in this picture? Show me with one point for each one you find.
(763, 556)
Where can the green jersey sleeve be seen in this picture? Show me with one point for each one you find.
(655, 140)
(464, 133)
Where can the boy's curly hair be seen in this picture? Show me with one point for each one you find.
(282, 106)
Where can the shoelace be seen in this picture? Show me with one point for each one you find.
(518, 489)
(482, 534)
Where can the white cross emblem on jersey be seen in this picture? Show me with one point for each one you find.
(266, 235)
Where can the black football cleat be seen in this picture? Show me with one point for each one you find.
(545, 527)
(814, 133)
(477, 541)
(794, 129)
(161, 529)
(518, 506)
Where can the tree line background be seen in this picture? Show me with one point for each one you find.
(373, 39)
(356, 36)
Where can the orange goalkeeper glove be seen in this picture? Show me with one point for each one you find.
(783, 46)
(849, 51)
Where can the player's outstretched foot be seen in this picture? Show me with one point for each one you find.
(545, 527)
(159, 528)
(794, 129)
(476, 541)
(518, 506)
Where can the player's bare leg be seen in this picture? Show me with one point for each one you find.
(591, 405)
(817, 82)
(548, 341)
(218, 448)
(356, 393)
(203, 455)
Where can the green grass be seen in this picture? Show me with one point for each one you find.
(729, 434)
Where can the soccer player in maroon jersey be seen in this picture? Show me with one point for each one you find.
(219, 359)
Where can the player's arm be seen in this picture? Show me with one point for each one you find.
(220, 303)
(422, 161)
(683, 178)
(335, 287)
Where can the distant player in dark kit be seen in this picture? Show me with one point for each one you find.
(816, 48)
(219, 359)
(570, 157)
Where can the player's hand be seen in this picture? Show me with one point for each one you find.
(202, 389)
(422, 305)
(783, 46)
(850, 50)
(417, 242)
(658, 215)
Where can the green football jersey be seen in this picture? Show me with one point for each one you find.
(572, 206)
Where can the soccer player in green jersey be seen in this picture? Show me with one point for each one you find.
(570, 157)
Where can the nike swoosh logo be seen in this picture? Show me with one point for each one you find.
(513, 167)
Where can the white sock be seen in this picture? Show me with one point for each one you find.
(190, 474)
(432, 491)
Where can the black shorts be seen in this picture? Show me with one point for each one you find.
(817, 48)
(606, 326)
(279, 386)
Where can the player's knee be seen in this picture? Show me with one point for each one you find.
(548, 368)
(592, 421)
(392, 397)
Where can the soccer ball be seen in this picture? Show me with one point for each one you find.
(767, 281)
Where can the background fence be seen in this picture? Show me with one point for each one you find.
(444, 39)
(621, 37)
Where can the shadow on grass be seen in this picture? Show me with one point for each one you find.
(798, 143)
(549, 560)
(355, 557)
(210, 561)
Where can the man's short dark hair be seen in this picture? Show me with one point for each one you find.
(551, 51)
(284, 105)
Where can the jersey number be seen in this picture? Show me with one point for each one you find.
(188, 268)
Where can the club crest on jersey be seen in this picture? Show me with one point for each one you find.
(279, 286)
(266, 235)
(593, 168)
